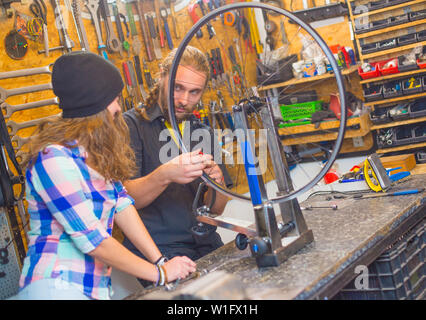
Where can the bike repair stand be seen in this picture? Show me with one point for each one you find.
(270, 244)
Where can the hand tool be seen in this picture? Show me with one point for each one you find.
(309, 207)
(14, 127)
(39, 10)
(8, 109)
(163, 12)
(124, 43)
(18, 142)
(147, 75)
(221, 70)
(66, 41)
(25, 72)
(112, 42)
(216, 68)
(210, 28)
(195, 18)
(396, 193)
(136, 43)
(134, 83)
(93, 6)
(129, 100)
(172, 13)
(79, 25)
(5, 93)
(213, 71)
(160, 30)
(145, 37)
(154, 36)
(139, 77)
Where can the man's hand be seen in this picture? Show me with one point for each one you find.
(187, 167)
(214, 172)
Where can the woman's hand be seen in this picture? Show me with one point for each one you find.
(179, 268)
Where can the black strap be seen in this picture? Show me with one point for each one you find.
(7, 178)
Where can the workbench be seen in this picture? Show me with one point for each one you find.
(355, 234)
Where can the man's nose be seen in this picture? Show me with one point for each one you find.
(183, 97)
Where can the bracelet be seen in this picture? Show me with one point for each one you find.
(165, 275)
(162, 276)
(162, 260)
(159, 275)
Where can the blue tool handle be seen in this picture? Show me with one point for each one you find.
(169, 38)
(412, 191)
(399, 175)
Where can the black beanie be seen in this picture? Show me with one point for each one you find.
(85, 83)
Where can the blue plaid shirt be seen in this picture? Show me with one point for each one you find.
(71, 209)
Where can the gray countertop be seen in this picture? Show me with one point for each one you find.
(340, 237)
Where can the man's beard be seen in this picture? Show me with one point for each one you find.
(165, 108)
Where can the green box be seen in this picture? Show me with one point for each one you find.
(299, 111)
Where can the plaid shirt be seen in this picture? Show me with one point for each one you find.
(71, 209)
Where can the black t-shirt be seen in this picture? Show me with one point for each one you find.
(169, 218)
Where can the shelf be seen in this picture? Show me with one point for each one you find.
(295, 81)
(401, 148)
(398, 123)
(393, 76)
(393, 50)
(402, 98)
(363, 121)
(389, 29)
(397, 6)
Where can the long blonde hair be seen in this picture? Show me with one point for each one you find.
(191, 57)
(105, 139)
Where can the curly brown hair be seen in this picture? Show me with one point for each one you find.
(191, 57)
(106, 140)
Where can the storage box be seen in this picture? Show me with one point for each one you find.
(406, 161)
(421, 64)
(373, 93)
(380, 116)
(417, 15)
(398, 274)
(394, 21)
(387, 44)
(417, 86)
(369, 48)
(375, 5)
(299, 111)
(370, 74)
(392, 89)
(421, 36)
(268, 75)
(389, 70)
(405, 67)
(407, 39)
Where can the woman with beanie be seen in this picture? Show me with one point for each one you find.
(73, 173)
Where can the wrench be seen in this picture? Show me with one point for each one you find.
(112, 41)
(14, 127)
(5, 93)
(93, 6)
(25, 72)
(78, 21)
(18, 142)
(30, 105)
(136, 43)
